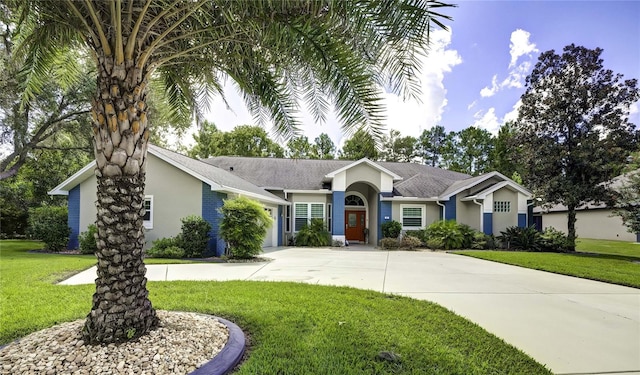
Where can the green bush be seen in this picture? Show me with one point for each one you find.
(87, 240)
(49, 225)
(389, 243)
(391, 229)
(517, 238)
(483, 241)
(435, 244)
(448, 233)
(166, 248)
(468, 235)
(419, 234)
(315, 234)
(195, 236)
(554, 240)
(410, 242)
(244, 226)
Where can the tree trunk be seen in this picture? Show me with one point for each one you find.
(121, 308)
(571, 228)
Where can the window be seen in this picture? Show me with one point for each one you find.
(501, 206)
(287, 219)
(304, 212)
(412, 216)
(353, 200)
(329, 217)
(147, 219)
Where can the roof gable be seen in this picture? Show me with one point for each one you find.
(368, 162)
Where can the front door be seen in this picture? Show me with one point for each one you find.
(354, 222)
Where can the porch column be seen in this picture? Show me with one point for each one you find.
(384, 212)
(338, 215)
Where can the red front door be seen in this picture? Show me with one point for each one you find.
(354, 222)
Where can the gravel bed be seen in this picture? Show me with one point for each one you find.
(182, 343)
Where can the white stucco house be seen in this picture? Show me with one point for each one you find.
(354, 198)
(593, 220)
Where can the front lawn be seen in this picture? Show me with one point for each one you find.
(293, 328)
(614, 262)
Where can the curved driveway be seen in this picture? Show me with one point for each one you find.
(572, 325)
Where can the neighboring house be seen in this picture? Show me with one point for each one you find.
(592, 220)
(354, 198)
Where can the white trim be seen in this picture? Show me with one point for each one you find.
(214, 186)
(368, 162)
(508, 184)
(319, 191)
(148, 224)
(506, 181)
(423, 209)
(59, 190)
(329, 217)
(414, 199)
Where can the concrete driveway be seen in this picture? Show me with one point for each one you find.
(572, 325)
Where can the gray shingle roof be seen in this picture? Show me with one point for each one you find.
(419, 180)
(214, 174)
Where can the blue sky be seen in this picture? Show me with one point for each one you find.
(475, 72)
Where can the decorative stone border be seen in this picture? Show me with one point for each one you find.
(229, 356)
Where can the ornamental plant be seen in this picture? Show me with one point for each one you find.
(244, 226)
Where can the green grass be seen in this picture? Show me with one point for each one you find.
(293, 328)
(608, 261)
(625, 249)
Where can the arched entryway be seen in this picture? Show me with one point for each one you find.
(355, 217)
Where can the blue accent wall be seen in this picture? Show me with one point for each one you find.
(530, 219)
(384, 214)
(73, 216)
(637, 237)
(211, 202)
(522, 220)
(280, 224)
(450, 208)
(338, 213)
(487, 223)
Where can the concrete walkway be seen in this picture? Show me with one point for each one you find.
(572, 325)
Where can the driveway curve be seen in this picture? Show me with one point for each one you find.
(572, 325)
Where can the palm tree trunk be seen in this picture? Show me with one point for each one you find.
(121, 308)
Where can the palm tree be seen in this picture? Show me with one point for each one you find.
(276, 52)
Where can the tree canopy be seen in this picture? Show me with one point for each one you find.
(573, 128)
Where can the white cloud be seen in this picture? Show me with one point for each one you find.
(473, 104)
(490, 91)
(487, 120)
(517, 74)
(520, 46)
(513, 114)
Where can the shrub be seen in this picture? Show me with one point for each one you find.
(165, 248)
(244, 226)
(483, 241)
(516, 238)
(447, 232)
(87, 240)
(315, 234)
(435, 243)
(391, 229)
(410, 242)
(389, 243)
(554, 240)
(419, 234)
(468, 235)
(195, 236)
(49, 225)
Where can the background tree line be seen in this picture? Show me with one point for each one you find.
(472, 150)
